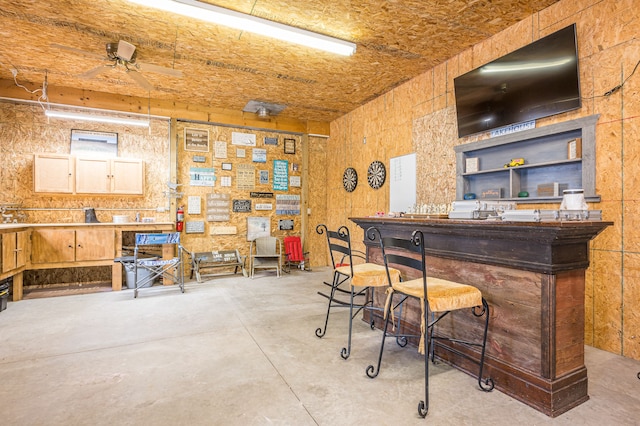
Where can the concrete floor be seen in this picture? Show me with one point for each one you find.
(236, 351)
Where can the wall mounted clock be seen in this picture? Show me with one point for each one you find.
(376, 174)
(350, 179)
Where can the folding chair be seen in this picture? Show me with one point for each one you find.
(294, 254)
(169, 269)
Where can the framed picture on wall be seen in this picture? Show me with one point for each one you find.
(196, 140)
(264, 177)
(89, 142)
(258, 227)
(289, 146)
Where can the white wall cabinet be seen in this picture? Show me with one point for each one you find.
(85, 175)
(109, 176)
(53, 173)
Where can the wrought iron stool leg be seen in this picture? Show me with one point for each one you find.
(423, 406)
(372, 371)
(487, 383)
(345, 352)
(320, 331)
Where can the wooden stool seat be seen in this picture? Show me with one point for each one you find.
(368, 274)
(442, 295)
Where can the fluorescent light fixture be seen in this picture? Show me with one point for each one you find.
(252, 24)
(99, 118)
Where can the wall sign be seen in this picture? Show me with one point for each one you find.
(193, 205)
(280, 175)
(220, 149)
(259, 155)
(201, 176)
(223, 230)
(194, 227)
(288, 204)
(218, 207)
(241, 206)
(527, 125)
(289, 146)
(264, 177)
(285, 224)
(196, 140)
(261, 194)
(270, 141)
(245, 176)
(264, 206)
(245, 139)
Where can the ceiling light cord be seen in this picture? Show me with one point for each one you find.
(43, 98)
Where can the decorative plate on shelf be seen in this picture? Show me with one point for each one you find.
(376, 174)
(350, 179)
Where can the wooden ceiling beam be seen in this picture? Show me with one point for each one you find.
(163, 108)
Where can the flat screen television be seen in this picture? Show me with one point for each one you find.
(535, 81)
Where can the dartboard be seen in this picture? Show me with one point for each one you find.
(350, 179)
(376, 174)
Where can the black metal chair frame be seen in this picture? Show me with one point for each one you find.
(339, 243)
(415, 246)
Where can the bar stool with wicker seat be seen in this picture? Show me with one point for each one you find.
(442, 297)
(350, 269)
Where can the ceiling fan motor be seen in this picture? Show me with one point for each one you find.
(121, 50)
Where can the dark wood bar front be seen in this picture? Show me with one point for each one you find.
(533, 277)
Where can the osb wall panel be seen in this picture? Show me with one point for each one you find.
(608, 51)
(197, 242)
(436, 167)
(25, 131)
(376, 131)
(319, 157)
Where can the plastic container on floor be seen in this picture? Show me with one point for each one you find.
(4, 296)
(143, 274)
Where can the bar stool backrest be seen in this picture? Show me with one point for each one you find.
(339, 243)
(407, 255)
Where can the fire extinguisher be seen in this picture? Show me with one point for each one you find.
(180, 219)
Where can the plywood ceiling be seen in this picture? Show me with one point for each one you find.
(223, 68)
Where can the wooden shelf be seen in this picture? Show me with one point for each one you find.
(544, 150)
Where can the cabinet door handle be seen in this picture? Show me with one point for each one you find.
(70, 246)
(80, 245)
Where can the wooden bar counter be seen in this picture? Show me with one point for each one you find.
(533, 277)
